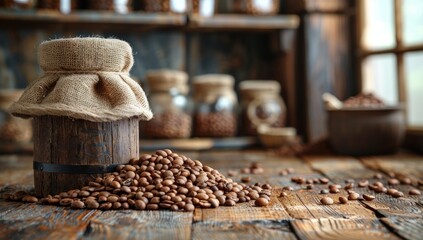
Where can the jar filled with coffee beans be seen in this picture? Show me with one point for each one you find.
(205, 8)
(18, 4)
(119, 6)
(63, 6)
(170, 105)
(254, 7)
(12, 129)
(261, 104)
(173, 6)
(215, 113)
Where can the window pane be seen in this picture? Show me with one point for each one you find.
(380, 77)
(414, 87)
(378, 25)
(412, 12)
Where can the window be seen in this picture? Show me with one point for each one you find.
(390, 41)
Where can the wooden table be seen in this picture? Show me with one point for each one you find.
(297, 216)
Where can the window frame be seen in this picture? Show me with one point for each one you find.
(399, 50)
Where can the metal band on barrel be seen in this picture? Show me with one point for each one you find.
(73, 169)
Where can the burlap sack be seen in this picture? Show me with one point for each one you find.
(84, 78)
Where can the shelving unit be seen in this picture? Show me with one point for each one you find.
(142, 20)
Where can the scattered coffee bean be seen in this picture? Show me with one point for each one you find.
(393, 181)
(368, 197)
(349, 186)
(391, 191)
(406, 181)
(260, 202)
(323, 180)
(343, 200)
(326, 201)
(363, 183)
(414, 192)
(245, 179)
(378, 176)
(30, 199)
(309, 186)
(324, 191)
(353, 196)
(283, 194)
(398, 194)
(78, 204)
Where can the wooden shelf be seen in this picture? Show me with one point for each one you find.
(30, 18)
(247, 22)
(138, 20)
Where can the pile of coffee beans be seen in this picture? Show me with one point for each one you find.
(164, 180)
(215, 124)
(167, 125)
(364, 100)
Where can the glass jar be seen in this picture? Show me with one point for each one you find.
(174, 6)
(205, 8)
(261, 104)
(117, 6)
(254, 7)
(170, 105)
(18, 4)
(12, 129)
(215, 112)
(63, 6)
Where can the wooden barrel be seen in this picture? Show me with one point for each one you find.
(68, 152)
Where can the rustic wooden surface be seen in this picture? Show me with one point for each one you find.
(297, 216)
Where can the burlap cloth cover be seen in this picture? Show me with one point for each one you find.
(84, 78)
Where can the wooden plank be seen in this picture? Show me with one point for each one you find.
(348, 168)
(140, 224)
(243, 230)
(339, 168)
(341, 229)
(33, 221)
(406, 165)
(406, 227)
(244, 212)
(305, 204)
(242, 21)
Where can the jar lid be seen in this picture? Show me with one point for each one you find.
(213, 80)
(165, 79)
(260, 85)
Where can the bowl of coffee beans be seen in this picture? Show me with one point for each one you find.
(365, 125)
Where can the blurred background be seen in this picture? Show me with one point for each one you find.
(309, 47)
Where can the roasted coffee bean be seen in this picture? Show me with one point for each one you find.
(353, 196)
(77, 204)
(393, 181)
(324, 191)
(405, 180)
(245, 179)
(398, 194)
(309, 186)
(363, 183)
(343, 200)
(189, 207)
(230, 202)
(349, 186)
(30, 199)
(323, 180)
(378, 176)
(326, 201)
(414, 192)
(66, 201)
(391, 191)
(92, 204)
(261, 202)
(368, 197)
(283, 194)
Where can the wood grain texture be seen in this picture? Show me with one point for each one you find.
(242, 230)
(406, 227)
(140, 224)
(243, 212)
(62, 140)
(341, 229)
(32, 221)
